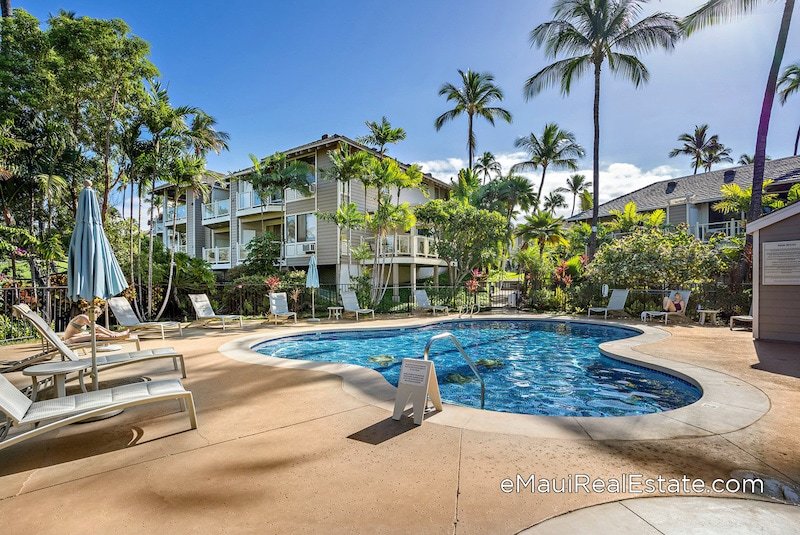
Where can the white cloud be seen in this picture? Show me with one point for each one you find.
(617, 178)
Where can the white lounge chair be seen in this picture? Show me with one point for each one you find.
(72, 363)
(743, 319)
(279, 307)
(51, 414)
(126, 317)
(615, 303)
(424, 303)
(205, 312)
(651, 314)
(350, 304)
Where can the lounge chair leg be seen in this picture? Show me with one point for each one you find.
(163, 336)
(175, 363)
(82, 382)
(223, 324)
(34, 388)
(183, 367)
(180, 329)
(192, 411)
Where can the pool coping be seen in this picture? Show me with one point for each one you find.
(727, 403)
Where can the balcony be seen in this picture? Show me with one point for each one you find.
(216, 211)
(251, 202)
(170, 214)
(217, 256)
(294, 195)
(731, 228)
(299, 249)
(403, 245)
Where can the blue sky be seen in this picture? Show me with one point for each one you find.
(279, 74)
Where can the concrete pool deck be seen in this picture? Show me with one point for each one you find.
(283, 449)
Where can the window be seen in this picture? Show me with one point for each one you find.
(301, 228)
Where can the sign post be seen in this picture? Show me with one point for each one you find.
(417, 384)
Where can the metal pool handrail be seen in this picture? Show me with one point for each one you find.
(457, 344)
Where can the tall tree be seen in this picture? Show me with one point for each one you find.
(486, 166)
(515, 191)
(576, 184)
(381, 134)
(6, 8)
(473, 97)
(203, 135)
(594, 33)
(542, 228)
(715, 11)
(553, 201)
(554, 148)
(788, 84)
(696, 145)
(465, 186)
(281, 174)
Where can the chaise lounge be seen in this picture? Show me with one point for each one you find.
(279, 307)
(681, 314)
(616, 303)
(52, 414)
(72, 363)
(423, 302)
(126, 317)
(205, 312)
(350, 304)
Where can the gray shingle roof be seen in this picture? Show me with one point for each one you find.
(702, 187)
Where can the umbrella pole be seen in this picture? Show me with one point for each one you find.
(95, 379)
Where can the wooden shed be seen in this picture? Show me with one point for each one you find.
(776, 275)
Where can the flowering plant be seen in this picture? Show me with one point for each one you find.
(273, 282)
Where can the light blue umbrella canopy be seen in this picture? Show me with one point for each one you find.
(92, 269)
(312, 275)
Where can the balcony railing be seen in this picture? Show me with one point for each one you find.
(294, 195)
(401, 245)
(216, 209)
(170, 213)
(289, 250)
(251, 199)
(731, 228)
(217, 255)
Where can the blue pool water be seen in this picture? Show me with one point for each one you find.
(529, 366)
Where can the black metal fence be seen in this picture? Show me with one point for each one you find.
(49, 301)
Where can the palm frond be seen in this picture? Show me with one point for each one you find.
(561, 73)
(716, 11)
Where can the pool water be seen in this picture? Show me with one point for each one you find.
(529, 366)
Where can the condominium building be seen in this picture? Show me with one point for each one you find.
(219, 228)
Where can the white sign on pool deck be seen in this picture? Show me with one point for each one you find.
(780, 263)
(417, 384)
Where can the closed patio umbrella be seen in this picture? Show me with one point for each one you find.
(92, 269)
(312, 281)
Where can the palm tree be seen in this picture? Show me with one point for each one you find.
(629, 218)
(716, 154)
(204, 136)
(515, 191)
(715, 11)
(465, 187)
(487, 165)
(576, 184)
(187, 173)
(474, 97)
(747, 159)
(696, 145)
(598, 32)
(587, 200)
(736, 199)
(788, 84)
(281, 174)
(542, 228)
(382, 134)
(553, 201)
(554, 148)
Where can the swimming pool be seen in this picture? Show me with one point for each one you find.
(529, 366)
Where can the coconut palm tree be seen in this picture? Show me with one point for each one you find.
(187, 173)
(554, 148)
(696, 145)
(553, 201)
(717, 154)
(204, 136)
(576, 184)
(382, 134)
(515, 191)
(542, 228)
(474, 97)
(487, 165)
(279, 174)
(716, 11)
(594, 33)
(465, 186)
(788, 84)
(747, 159)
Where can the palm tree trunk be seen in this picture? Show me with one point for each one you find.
(6, 8)
(541, 186)
(797, 141)
(595, 163)
(171, 256)
(759, 159)
(150, 256)
(131, 282)
(470, 141)
(574, 198)
(139, 292)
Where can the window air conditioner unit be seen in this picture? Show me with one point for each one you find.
(309, 248)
